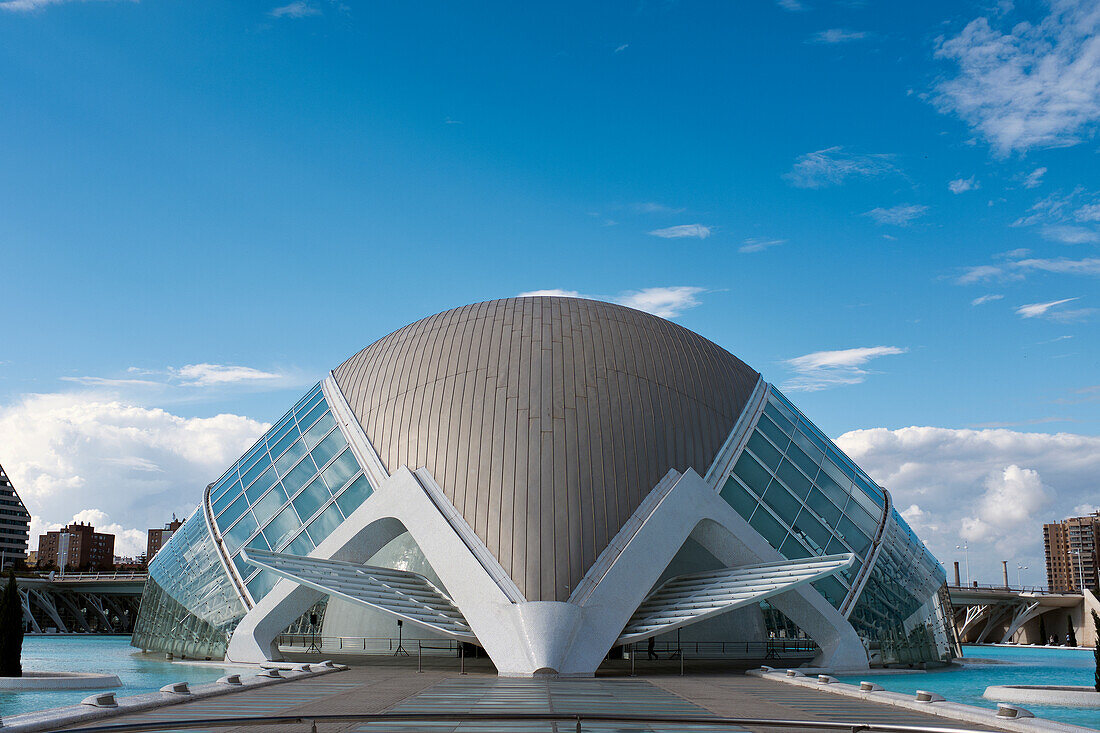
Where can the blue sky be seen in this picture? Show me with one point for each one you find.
(891, 210)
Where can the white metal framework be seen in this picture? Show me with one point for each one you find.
(687, 599)
(400, 593)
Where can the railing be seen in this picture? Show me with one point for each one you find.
(1041, 589)
(576, 719)
(113, 575)
(754, 650)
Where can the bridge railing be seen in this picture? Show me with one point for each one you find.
(1040, 589)
(57, 577)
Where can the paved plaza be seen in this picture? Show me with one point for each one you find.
(389, 685)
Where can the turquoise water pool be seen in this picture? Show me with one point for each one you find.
(1005, 666)
(110, 654)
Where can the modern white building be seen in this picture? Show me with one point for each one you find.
(559, 477)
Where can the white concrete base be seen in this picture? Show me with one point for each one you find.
(1078, 696)
(60, 681)
(945, 709)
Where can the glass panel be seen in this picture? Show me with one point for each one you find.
(818, 537)
(308, 404)
(833, 591)
(262, 484)
(851, 534)
(313, 415)
(287, 460)
(752, 473)
(282, 526)
(256, 470)
(783, 423)
(824, 508)
(329, 447)
(812, 451)
(313, 435)
(302, 545)
(803, 461)
(311, 499)
(738, 497)
(792, 549)
(354, 495)
(236, 509)
(778, 437)
(764, 450)
(768, 526)
(268, 504)
(796, 482)
(239, 533)
(261, 584)
(863, 520)
(831, 488)
(224, 500)
(286, 425)
(301, 473)
(325, 523)
(340, 470)
(781, 502)
(258, 542)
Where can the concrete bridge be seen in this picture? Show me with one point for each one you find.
(91, 603)
(1002, 615)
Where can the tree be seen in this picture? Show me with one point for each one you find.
(1042, 632)
(1096, 650)
(1071, 638)
(11, 630)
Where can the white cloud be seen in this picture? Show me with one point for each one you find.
(759, 244)
(993, 488)
(899, 215)
(791, 5)
(1034, 178)
(696, 231)
(1018, 269)
(654, 207)
(1032, 85)
(833, 36)
(825, 369)
(27, 6)
(1051, 310)
(623, 47)
(296, 9)
(666, 302)
(204, 375)
(67, 453)
(962, 185)
(982, 300)
(1090, 212)
(834, 166)
(1070, 234)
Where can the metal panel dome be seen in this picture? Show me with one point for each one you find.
(546, 420)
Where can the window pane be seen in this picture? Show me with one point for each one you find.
(225, 499)
(329, 447)
(738, 497)
(863, 520)
(340, 470)
(308, 404)
(764, 523)
(302, 545)
(309, 419)
(796, 482)
(851, 534)
(354, 495)
(261, 584)
(286, 425)
(325, 523)
(256, 470)
(258, 542)
(752, 473)
(792, 549)
(268, 504)
(783, 423)
(313, 435)
(311, 499)
(262, 484)
(287, 460)
(816, 535)
(767, 427)
(824, 508)
(298, 477)
(833, 591)
(282, 526)
(815, 455)
(836, 492)
(239, 533)
(764, 450)
(781, 502)
(235, 510)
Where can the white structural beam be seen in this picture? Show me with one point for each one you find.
(688, 599)
(399, 593)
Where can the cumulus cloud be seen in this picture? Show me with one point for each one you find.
(834, 36)
(992, 488)
(826, 369)
(983, 299)
(1029, 84)
(681, 231)
(666, 302)
(900, 215)
(962, 185)
(296, 9)
(70, 453)
(759, 244)
(834, 166)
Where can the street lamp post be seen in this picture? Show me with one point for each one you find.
(966, 549)
(1080, 571)
(1019, 573)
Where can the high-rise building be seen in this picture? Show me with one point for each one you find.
(1072, 549)
(15, 523)
(77, 547)
(548, 478)
(158, 537)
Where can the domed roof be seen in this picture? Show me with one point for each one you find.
(546, 420)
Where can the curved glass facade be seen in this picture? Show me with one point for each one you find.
(287, 493)
(807, 498)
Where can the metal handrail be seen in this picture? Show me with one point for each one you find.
(578, 718)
